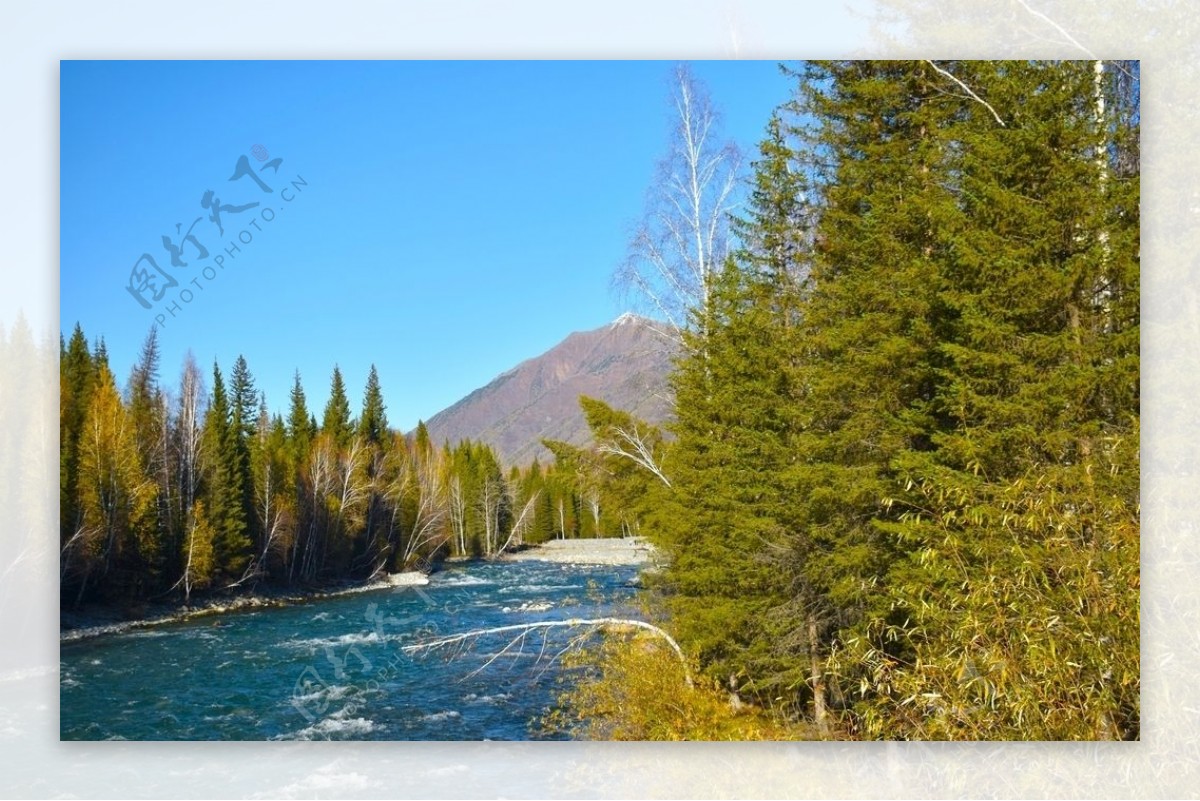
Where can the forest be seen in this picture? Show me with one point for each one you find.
(198, 487)
(899, 498)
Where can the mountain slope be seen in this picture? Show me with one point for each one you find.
(624, 363)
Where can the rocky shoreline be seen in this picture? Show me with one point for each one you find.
(610, 551)
(95, 621)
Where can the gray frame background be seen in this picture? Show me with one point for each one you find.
(33, 763)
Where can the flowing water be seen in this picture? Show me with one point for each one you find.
(335, 669)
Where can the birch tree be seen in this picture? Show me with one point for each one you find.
(457, 509)
(272, 498)
(197, 552)
(431, 506)
(349, 497)
(317, 483)
(683, 236)
(187, 433)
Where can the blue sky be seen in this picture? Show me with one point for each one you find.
(442, 220)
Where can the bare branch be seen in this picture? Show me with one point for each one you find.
(967, 89)
(523, 522)
(523, 629)
(638, 451)
(1071, 39)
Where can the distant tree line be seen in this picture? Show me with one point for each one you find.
(165, 493)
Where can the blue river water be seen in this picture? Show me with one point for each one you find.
(334, 668)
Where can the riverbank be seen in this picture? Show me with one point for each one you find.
(96, 620)
(612, 551)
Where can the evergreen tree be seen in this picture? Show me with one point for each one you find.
(336, 422)
(148, 416)
(1017, 585)
(866, 350)
(536, 481)
(244, 401)
(624, 467)
(302, 431)
(225, 483)
(100, 355)
(373, 431)
(244, 407)
(718, 505)
(143, 391)
(726, 466)
(775, 231)
(421, 437)
(273, 478)
(300, 426)
(373, 425)
(76, 376)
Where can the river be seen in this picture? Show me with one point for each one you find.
(335, 669)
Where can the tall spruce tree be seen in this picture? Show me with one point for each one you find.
(76, 377)
(299, 422)
(148, 416)
(729, 451)
(336, 421)
(866, 350)
(1016, 586)
(225, 484)
(373, 424)
(244, 408)
(373, 431)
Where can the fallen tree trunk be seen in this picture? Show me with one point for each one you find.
(523, 629)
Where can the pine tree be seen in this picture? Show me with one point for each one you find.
(867, 331)
(726, 467)
(775, 231)
(225, 484)
(76, 376)
(148, 415)
(300, 427)
(1017, 583)
(733, 595)
(623, 470)
(373, 431)
(143, 392)
(244, 407)
(373, 425)
(540, 482)
(336, 422)
(421, 439)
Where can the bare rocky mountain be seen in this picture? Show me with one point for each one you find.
(624, 363)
